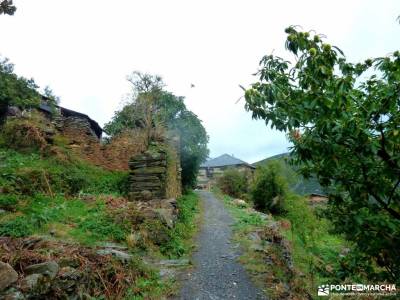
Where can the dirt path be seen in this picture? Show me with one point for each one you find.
(216, 273)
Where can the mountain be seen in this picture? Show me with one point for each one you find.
(297, 183)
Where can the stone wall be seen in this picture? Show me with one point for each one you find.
(122, 147)
(155, 174)
(114, 155)
(72, 125)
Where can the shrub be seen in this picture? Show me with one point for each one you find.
(24, 135)
(233, 183)
(8, 202)
(269, 188)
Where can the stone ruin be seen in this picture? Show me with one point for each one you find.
(155, 174)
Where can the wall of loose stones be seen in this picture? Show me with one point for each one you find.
(155, 174)
(114, 155)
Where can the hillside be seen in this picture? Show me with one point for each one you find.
(297, 183)
(68, 226)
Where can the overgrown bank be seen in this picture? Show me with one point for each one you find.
(290, 255)
(61, 212)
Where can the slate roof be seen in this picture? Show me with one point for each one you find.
(224, 161)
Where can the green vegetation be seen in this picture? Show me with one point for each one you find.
(296, 182)
(48, 192)
(31, 173)
(15, 90)
(65, 218)
(315, 249)
(179, 242)
(269, 188)
(155, 110)
(233, 183)
(53, 194)
(342, 119)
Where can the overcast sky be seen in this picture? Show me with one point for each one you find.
(83, 49)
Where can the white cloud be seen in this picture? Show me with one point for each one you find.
(85, 49)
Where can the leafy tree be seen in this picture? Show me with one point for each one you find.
(15, 90)
(269, 188)
(193, 143)
(343, 120)
(7, 7)
(50, 96)
(151, 106)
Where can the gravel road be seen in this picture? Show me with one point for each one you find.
(216, 274)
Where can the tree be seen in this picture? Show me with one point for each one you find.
(269, 188)
(50, 97)
(343, 120)
(151, 106)
(7, 7)
(15, 90)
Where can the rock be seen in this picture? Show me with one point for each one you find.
(68, 279)
(256, 247)
(12, 294)
(7, 276)
(166, 216)
(254, 237)
(48, 268)
(345, 251)
(2, 211)
(14, 111)
(266, 217)
(239, 202)
(175, 262)
(31, 242)
(167, 273)
(121, 256)
(146, 195)
(31, 282)
(109, 245)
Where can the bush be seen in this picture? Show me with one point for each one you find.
(24, 135)
(269, 188)
(8, 202)
(233, 183)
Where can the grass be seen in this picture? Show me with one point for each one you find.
(31, 173)
(180, 242)
(44, 215)
(62, 197)
(314, 249)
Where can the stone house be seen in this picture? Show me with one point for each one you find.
(213, 168)
(67, 119)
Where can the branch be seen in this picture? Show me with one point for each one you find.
(393, 191)
(382, 153)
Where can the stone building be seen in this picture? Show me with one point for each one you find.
(211, 169)
(70, 120)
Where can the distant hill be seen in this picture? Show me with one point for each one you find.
(275, 157)
(297, 183)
